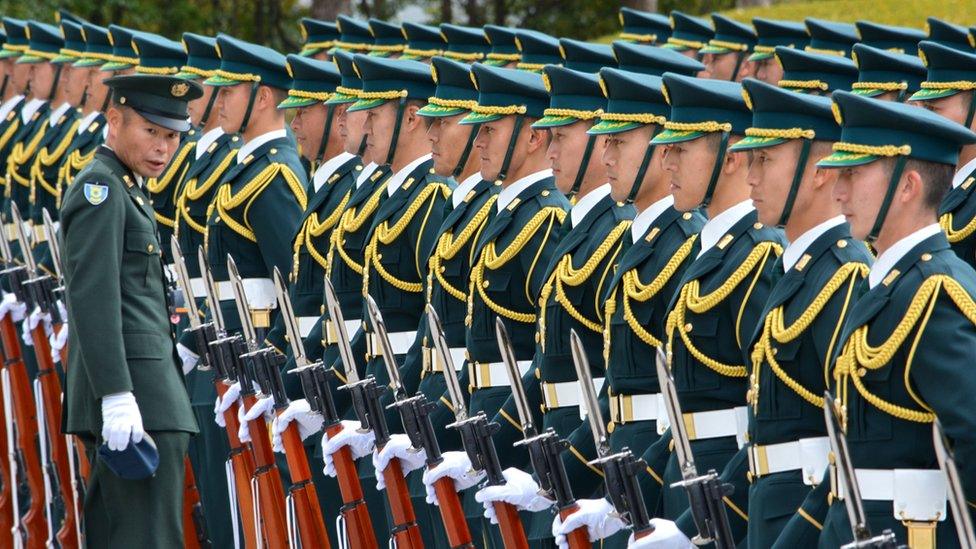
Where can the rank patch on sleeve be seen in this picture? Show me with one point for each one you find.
(96, 194)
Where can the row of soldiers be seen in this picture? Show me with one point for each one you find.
(766, 204)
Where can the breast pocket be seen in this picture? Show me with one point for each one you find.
(697, 376)
(141, 267)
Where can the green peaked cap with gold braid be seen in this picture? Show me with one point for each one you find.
(644, 27)
(16, 44)
(455, 93)
(538, 50)
(158, 55)
(317, 35)
(688, 32)
(771, 33)
(881, 71)
(123, 55)
(388, 38)
(888, 37)
(467, 44)
(730, 36)
(503, 48)
(950, 71)
(809, 72)
(633, 100)
(573, 96)
(44, 44)
(98, 46)
(313, 81)
(504, 92)
(74, 43)
(242, 61)
(780, 115)
(391, 79)
(830, 37)
(584, 56)
(700, 107)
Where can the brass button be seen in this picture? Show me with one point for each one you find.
(688, 327)
(545, 193)
(538, 373)
(861, 372)
(686, 216)
(926, 257)
(139, 200)
(235, 138)
(611, 426)
(775, 350)
(274, 151)
(757, 226)
(841, 243)
(443, 268)
(379, 257)
(322, 310)
(150, 248)
(484, 284)
(537, 338)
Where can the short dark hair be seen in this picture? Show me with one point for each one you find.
(936, 177)
(428, 120)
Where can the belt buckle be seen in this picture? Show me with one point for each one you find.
(759, 460)
(615, 409)
(689, 420)
(551, 399)
(626, 408)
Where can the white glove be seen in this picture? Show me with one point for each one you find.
(398, 447)
(31, 322)
(188, 357)
(10, 305)
(666, 535)
(63, 311)
(360, 443)
(520, 490)
(262, 407)
(457, 466)
(58, 340)
(121, 421)
(300, 412)
(223, 404)
(597, 515)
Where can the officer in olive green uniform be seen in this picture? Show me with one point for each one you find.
(726, 56)
(771, 33)
(949, 72)
(644, 27)
(903, 353)
(318, 37)
(124, 376)
(688, 34)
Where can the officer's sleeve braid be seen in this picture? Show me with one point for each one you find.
(634, 289)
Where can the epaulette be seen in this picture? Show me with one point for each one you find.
(765, 233)
(623, 212)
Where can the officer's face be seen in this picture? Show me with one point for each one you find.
(623, 156)
(351, 128)
(565, 153)
(143, 146)
(447, 140)
(955, 107)
(769, 71)
(719, 66)
(308, 125)
(690, 164)
(770, 175)
(233, 104)
(378, 129)
(860, 191)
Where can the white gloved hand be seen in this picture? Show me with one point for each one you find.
(10, 305)
(188, 357)
(300, 412)
(360, 444)
(121, 421)
(457, 466)
(597, 515)
(666, 535)
(32, 321)
(263, 407)
(224, 403)
(63, 311)
(397, 447)
(58, 340)
(520, 490)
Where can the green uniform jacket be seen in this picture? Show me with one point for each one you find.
(164, 190)
(26, 144)
(645, 279)
(920, 324)
(957, 215)
(120, 332)
(80, 152)
(254, 217)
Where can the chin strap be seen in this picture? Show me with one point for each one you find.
(362, 147)
(466, 152)
(516, 130)
(739, 58)
(325, 137)
(106, 101)
(250, 106)
(972, 109)
(581, 172)
(3, 87)
(888, 197)
(642, 170)
(716, 170)
(401, 107)
(206, 111)
(54, 84)
(801, 166)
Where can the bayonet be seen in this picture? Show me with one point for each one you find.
(182, 278)
(212, 295)
(345, 348)
(386, 349)
(679, 433)
(593, 413)
(53, 245)
(450, 372)
(291, 323)
(23, 238)
(243, 308)
(957, 498)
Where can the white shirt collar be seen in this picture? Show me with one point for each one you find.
(63, 108)
(328, 168)
(252, 145)
(716, 227)
(9, 105)
(30, 108)
(642, 223)
(86, 121)
(368, 170)
(963, 173)
(584, 205)
(508, 194)
(463, 188)
(893, 255)
(795, 250)
(398, 178)
(206, 140)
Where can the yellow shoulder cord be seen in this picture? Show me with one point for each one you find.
(386, 235)
(194, 190)
(226, 200)
(775, 329)
(566, 275)
(449, 246)
(634, 289)
(350, 222)
(21, 154)
(46, 159)
(156, 185)
(9, 132)
(313, 228)
(689, 299)
(858, 356)
(954, 235)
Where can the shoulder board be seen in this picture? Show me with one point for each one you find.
(764, 233)
(623, 212)
(691, 222)
(849, 249)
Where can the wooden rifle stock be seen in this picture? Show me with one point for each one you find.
(578, 538)
(271, 492)
(311, 525)
(406, 532)
(6, 497)
(510, 524)
(194, 525)
(452, 513)
(242, 463)
(359, 526)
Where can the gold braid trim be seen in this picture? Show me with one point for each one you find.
(390, 94)
(453, 103)
(634, 289)
(421, 53)
(886, 86)
(643, 118)
(239, 76)
(193, 191)
(317, 96)
(461, 56)
(157, 70)
(689, 299)
(728, 45)
(804, 84)
(781, 133)
(350, 222)
(226, 201)
(20, 155)
(77, 162)
(47, 159)
(352, 92)
(448, 246)
(634, 37)
(313, 228)
(875, 150)
(775, 329)
(956, 85)
(582, 115)
(384, 48)
(824, 51)
(859, 356)
(506, 110)
(708, 126)
(157, 185)
(759, 48)
(945, 221)
(9, 132)
(199, 72)
(693, 44)
(504, 56)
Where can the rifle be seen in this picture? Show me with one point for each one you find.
(545, 449)
(476, 432)
(33, 523)
(406, 532)
(354, 512)
(705, 492)
(619, 469)
(840, 461)
(957, 498)
(221, 353)
(311, 526)
(270, 492)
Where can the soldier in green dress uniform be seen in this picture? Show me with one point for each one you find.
(124, 382)
(726, 56)
(688, 34)
(17, 78)
(886, 75)
(950, 90)
(771, 33)
(643, 27)
(318, 37)
(904, 353)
